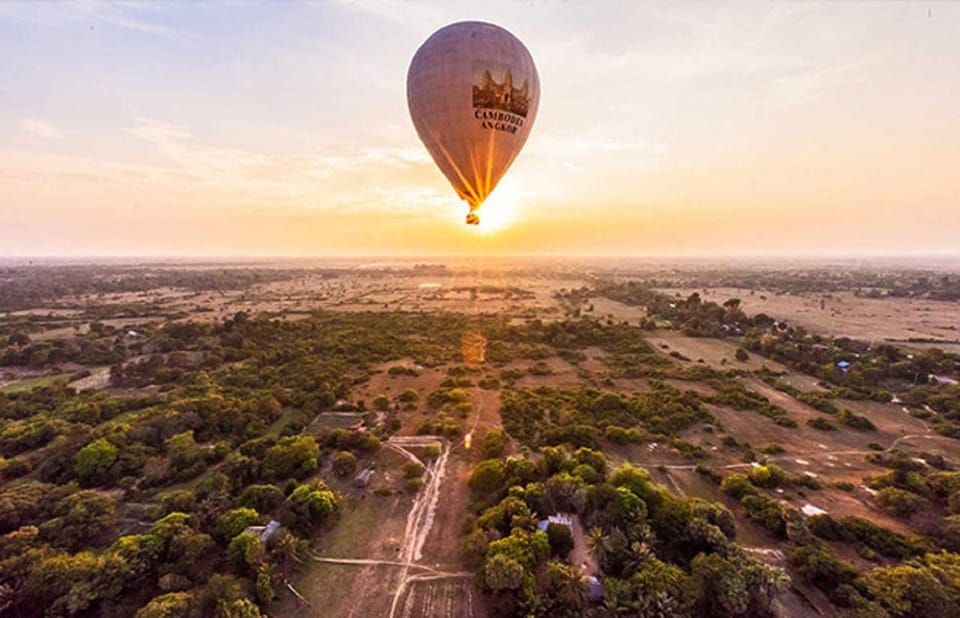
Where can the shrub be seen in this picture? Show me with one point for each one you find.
(900, 502)
(412, 470)
(821, 423)
(494, 443)
(344, 463)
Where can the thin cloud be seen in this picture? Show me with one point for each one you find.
(40, 129)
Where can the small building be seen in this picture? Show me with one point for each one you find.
(363, 479)
(563, 519)
(843, 366)
(269, 529)
(263, 532)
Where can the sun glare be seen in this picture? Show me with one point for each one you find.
(498, 212)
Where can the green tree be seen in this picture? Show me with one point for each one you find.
(235, 521)
(263, 498)
(494, 443)
(291, 457)
(561, 540)
(170, 605)
(720, 587)
(344, 463)
(93, 461)
(309, 505)
(487, 477)
(247, 552)
(502, 572)
(565, 595)
(86, 515)
(182, 449)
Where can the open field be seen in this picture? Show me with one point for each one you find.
(844, 314)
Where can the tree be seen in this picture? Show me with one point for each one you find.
(502, 573)
(900, 502)
(293, 456)
(182, 449)
(720, 588)
(561, 540)
(235, 521)
(487, 477)
(566, 593)
(93, 461)
(170, 605)
(737, 485)
(494, 443)
(661, 589)
(263, 498)
(381, 403)
(912, 590)
(742, 355)
(344, 463)
(86, 515)
(599, 543)
(246, 552)
(309, 505)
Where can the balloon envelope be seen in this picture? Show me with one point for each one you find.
(473, 93)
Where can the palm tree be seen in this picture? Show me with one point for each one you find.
(637, 553)
(599, 543)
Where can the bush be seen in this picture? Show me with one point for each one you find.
(768, 476)
(412, 470)
(235, 521)
(487, 477)
(900, 502)
(494, 443)
(408, 396)
(856, 421)
(737, 485)
(344, 463)
(821, 423)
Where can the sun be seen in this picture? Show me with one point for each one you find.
(498, 212)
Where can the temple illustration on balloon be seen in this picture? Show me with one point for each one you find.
(492, 94)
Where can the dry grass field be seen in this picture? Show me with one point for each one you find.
(844, 314)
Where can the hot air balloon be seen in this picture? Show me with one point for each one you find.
(473, 92)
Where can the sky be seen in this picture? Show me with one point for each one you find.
(674, 129)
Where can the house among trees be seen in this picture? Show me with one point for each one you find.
(563, 519)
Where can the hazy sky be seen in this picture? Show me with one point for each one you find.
(282, 129)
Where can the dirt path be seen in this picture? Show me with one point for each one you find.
(421, 516)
